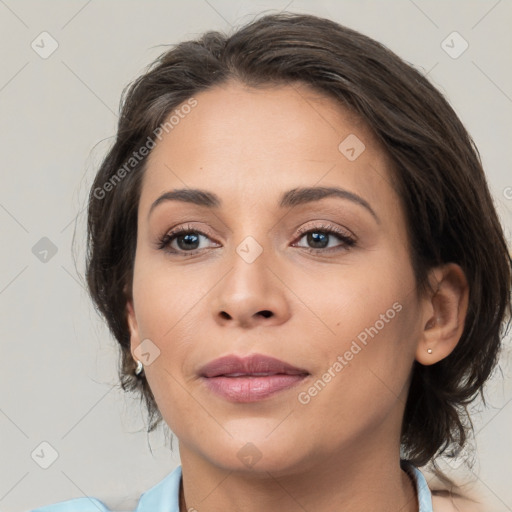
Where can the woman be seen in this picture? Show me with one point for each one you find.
(293, 242)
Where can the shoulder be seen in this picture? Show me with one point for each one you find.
(442, 501)
(433, 497)
(75, 505)
(442, 504)
(162, 497)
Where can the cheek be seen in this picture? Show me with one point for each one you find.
(344, 300)
(368, 316)
(165, 296)
(165, 304)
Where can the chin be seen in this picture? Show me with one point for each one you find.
(258, 452)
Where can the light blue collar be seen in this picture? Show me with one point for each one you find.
(164, 496)
(422, 490)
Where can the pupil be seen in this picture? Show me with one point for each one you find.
(318, 238)
(188, 240)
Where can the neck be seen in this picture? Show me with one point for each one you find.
(377, 483)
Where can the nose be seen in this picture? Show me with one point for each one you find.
(251, 294)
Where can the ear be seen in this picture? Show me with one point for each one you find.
(132, 324)
(445, 311)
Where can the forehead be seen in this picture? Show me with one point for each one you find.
(254, 143)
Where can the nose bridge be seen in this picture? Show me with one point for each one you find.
(250, 292)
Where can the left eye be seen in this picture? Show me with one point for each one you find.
(320, 239)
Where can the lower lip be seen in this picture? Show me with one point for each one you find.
(251, 389)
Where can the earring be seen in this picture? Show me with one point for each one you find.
(429, 350)
(139, 368)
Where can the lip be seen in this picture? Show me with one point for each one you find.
(251, 378)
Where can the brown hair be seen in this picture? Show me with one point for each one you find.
(437, 170)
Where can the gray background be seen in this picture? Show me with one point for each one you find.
(57, 118)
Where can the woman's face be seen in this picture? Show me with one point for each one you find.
(322, 282)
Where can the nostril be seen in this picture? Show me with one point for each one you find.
(266, 313)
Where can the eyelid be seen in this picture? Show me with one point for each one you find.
(189, 226)
(327, 226)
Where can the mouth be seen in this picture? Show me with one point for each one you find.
(251, 378)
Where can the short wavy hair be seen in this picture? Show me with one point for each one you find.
(437, 174)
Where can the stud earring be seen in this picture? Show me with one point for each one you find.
(429, 350)
(139, 368)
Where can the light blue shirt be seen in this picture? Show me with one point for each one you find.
(164, 496)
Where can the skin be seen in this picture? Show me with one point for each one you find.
(340, 450)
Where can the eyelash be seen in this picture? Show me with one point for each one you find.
(347, 240)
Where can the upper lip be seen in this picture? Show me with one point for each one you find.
(250, 365)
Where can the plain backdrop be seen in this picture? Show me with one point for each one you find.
(58, 114)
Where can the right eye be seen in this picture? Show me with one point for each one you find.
(186, 239)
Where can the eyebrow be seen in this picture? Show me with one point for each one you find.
(291, 198)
